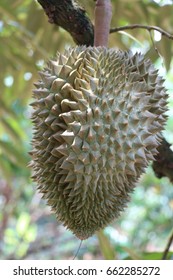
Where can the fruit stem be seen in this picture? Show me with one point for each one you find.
(103, 15)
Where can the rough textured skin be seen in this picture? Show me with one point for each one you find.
(98, 114)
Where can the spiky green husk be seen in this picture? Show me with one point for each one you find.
(98, 114)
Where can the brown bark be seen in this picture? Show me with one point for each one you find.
(68, 15)
(163, 165)
(71, 17)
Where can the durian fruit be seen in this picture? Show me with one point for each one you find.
(98, 115)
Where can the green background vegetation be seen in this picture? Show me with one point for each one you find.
(28, 230)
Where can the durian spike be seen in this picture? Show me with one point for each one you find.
(103, 15)
(94, 135)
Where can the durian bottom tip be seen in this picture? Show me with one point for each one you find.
(82, 237)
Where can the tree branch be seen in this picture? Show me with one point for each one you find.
(163, 165)
(147, 27)
(68, 15)
(166, 251)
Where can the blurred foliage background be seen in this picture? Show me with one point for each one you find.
(28, 230)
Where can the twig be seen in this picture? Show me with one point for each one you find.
(147, 27)
(78, 250)
(166, 251)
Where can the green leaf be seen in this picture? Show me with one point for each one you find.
(5, 168)
(16, 156)
(105, 246)
(31, 233)
(22, 250)
(10, 130)
(132, 38)
(155, 255)
(165, 51)
(10, 237)
(133, 255)
(23, 224)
